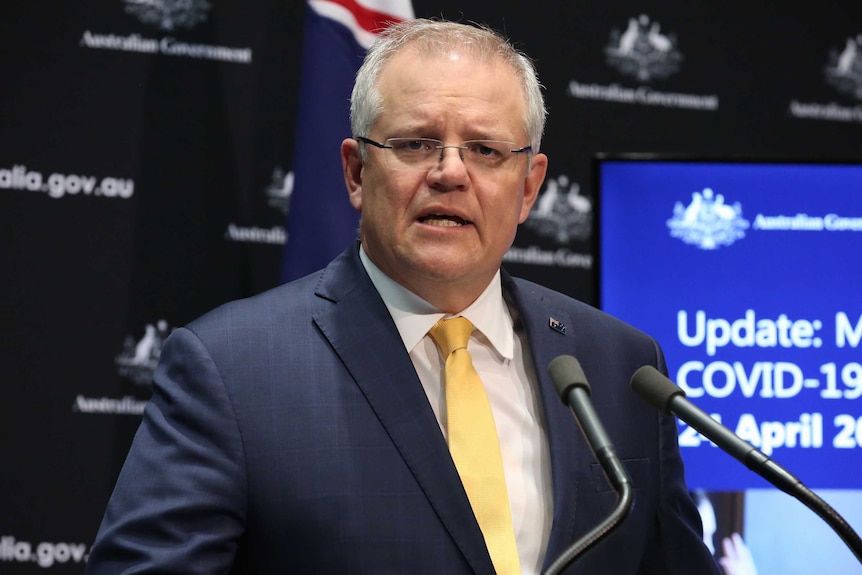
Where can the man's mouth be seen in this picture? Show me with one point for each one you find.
(443, 220)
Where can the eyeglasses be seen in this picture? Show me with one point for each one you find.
(420, 154)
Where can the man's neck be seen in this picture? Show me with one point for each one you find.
(446, 295)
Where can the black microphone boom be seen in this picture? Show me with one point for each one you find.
(571, 384)
(668, 398)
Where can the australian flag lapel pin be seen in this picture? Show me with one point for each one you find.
(557, 325)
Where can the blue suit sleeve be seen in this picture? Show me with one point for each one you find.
(179, 504)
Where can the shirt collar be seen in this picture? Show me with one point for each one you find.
(414, 316)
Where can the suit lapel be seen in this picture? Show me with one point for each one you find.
(550, 332)
(362, 333)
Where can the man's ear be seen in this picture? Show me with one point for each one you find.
(351, 163)
(533, 183)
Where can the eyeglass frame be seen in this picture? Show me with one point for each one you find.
(441, 147)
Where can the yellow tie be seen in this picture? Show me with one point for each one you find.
(474, 445)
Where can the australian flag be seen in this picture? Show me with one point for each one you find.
(321, 222)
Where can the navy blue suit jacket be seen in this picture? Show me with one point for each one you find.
(289, 433)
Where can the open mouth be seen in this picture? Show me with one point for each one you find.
(443, 220)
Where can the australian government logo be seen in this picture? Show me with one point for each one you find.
(709, 222)
(843, 71)
(642, 51)
(135, 363)
(561, 215)
(278, 193)
(169, 16)
(139, 357)
(645, 53)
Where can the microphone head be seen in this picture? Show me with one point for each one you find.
(565, 372)
(655, 388)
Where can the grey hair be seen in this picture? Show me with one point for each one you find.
(435, 37)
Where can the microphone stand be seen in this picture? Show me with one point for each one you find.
(597, 533)
(667, 397)
(764, 466)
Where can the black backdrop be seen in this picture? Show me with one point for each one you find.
(142, 153)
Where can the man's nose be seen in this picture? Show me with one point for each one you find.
(443, 151)
(451, 169)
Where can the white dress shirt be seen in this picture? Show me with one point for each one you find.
(502, 358)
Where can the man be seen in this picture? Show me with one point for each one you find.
(305, 430)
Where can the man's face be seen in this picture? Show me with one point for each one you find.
(448, 227)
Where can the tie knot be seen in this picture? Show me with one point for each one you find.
(451, 334)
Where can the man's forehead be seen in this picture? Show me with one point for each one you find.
(411, 76)
(416, 53)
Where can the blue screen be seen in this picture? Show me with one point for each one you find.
(749, 275)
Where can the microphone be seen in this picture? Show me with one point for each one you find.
(571, 384)
(665, 396)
